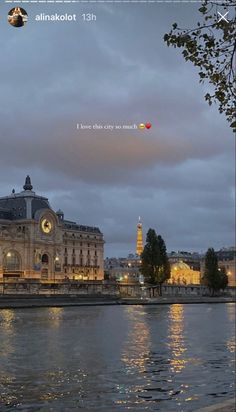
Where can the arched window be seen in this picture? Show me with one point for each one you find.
(11, 261)
(45, 258)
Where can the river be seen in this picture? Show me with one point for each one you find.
(117, 358)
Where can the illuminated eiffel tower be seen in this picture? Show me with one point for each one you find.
(139, 243)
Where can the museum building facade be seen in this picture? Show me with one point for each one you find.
(38, 243)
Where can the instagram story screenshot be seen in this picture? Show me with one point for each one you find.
(117, 205)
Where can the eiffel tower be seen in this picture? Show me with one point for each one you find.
(139, 243)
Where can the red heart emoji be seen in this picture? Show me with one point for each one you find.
(148, 125)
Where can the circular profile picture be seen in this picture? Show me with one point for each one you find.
(17, 17)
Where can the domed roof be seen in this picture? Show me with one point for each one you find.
(23, 205)
(180, 265)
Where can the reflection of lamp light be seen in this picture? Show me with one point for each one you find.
(56, 258)
(229, 273)
(176, 338)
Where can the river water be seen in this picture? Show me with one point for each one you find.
(117, 358)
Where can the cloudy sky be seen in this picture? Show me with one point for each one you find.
(178, 176)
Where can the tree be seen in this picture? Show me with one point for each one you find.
(106, 275)
(155, 265)
(211, 47)
(211, 276)
(223, 278)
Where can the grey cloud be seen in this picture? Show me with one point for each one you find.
(179, 176)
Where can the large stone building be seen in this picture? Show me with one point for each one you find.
(36, 242)
(183, 274)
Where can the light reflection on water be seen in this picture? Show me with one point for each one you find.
(7, 318)
(137, 348)
(165, 358)
(176, 338)
(55, 316)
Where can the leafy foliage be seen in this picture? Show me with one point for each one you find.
(211, 47)
(155, 265)
(223, 278)
(214, 277)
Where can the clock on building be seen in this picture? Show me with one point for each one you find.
(46, 225)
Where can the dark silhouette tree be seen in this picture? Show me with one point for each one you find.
(155, 265)
(211, 47)
(211, 277)
(223, 278)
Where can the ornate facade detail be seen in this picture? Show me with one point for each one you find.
(37, 243)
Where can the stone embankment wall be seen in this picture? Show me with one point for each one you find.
(105, 289)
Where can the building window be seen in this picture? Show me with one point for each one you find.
(81, 261)
(65, 249)
(66, 261)
(11, 261)
(45, 258)
(73, 261)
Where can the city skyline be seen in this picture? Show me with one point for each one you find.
(136, 231)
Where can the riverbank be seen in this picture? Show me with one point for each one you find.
(35, 301)
(226, 406)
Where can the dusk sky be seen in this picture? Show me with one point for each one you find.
(178, 176)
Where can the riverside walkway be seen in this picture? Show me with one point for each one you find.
(33, 301)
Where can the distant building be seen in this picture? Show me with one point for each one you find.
(124, 269)
(227, 259)
(37, 243)
(192, 259)
(230, 270)
(226, 253)
(182, 274)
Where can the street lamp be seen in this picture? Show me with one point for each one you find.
(55, 262)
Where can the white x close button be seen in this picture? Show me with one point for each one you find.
(223, 17)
